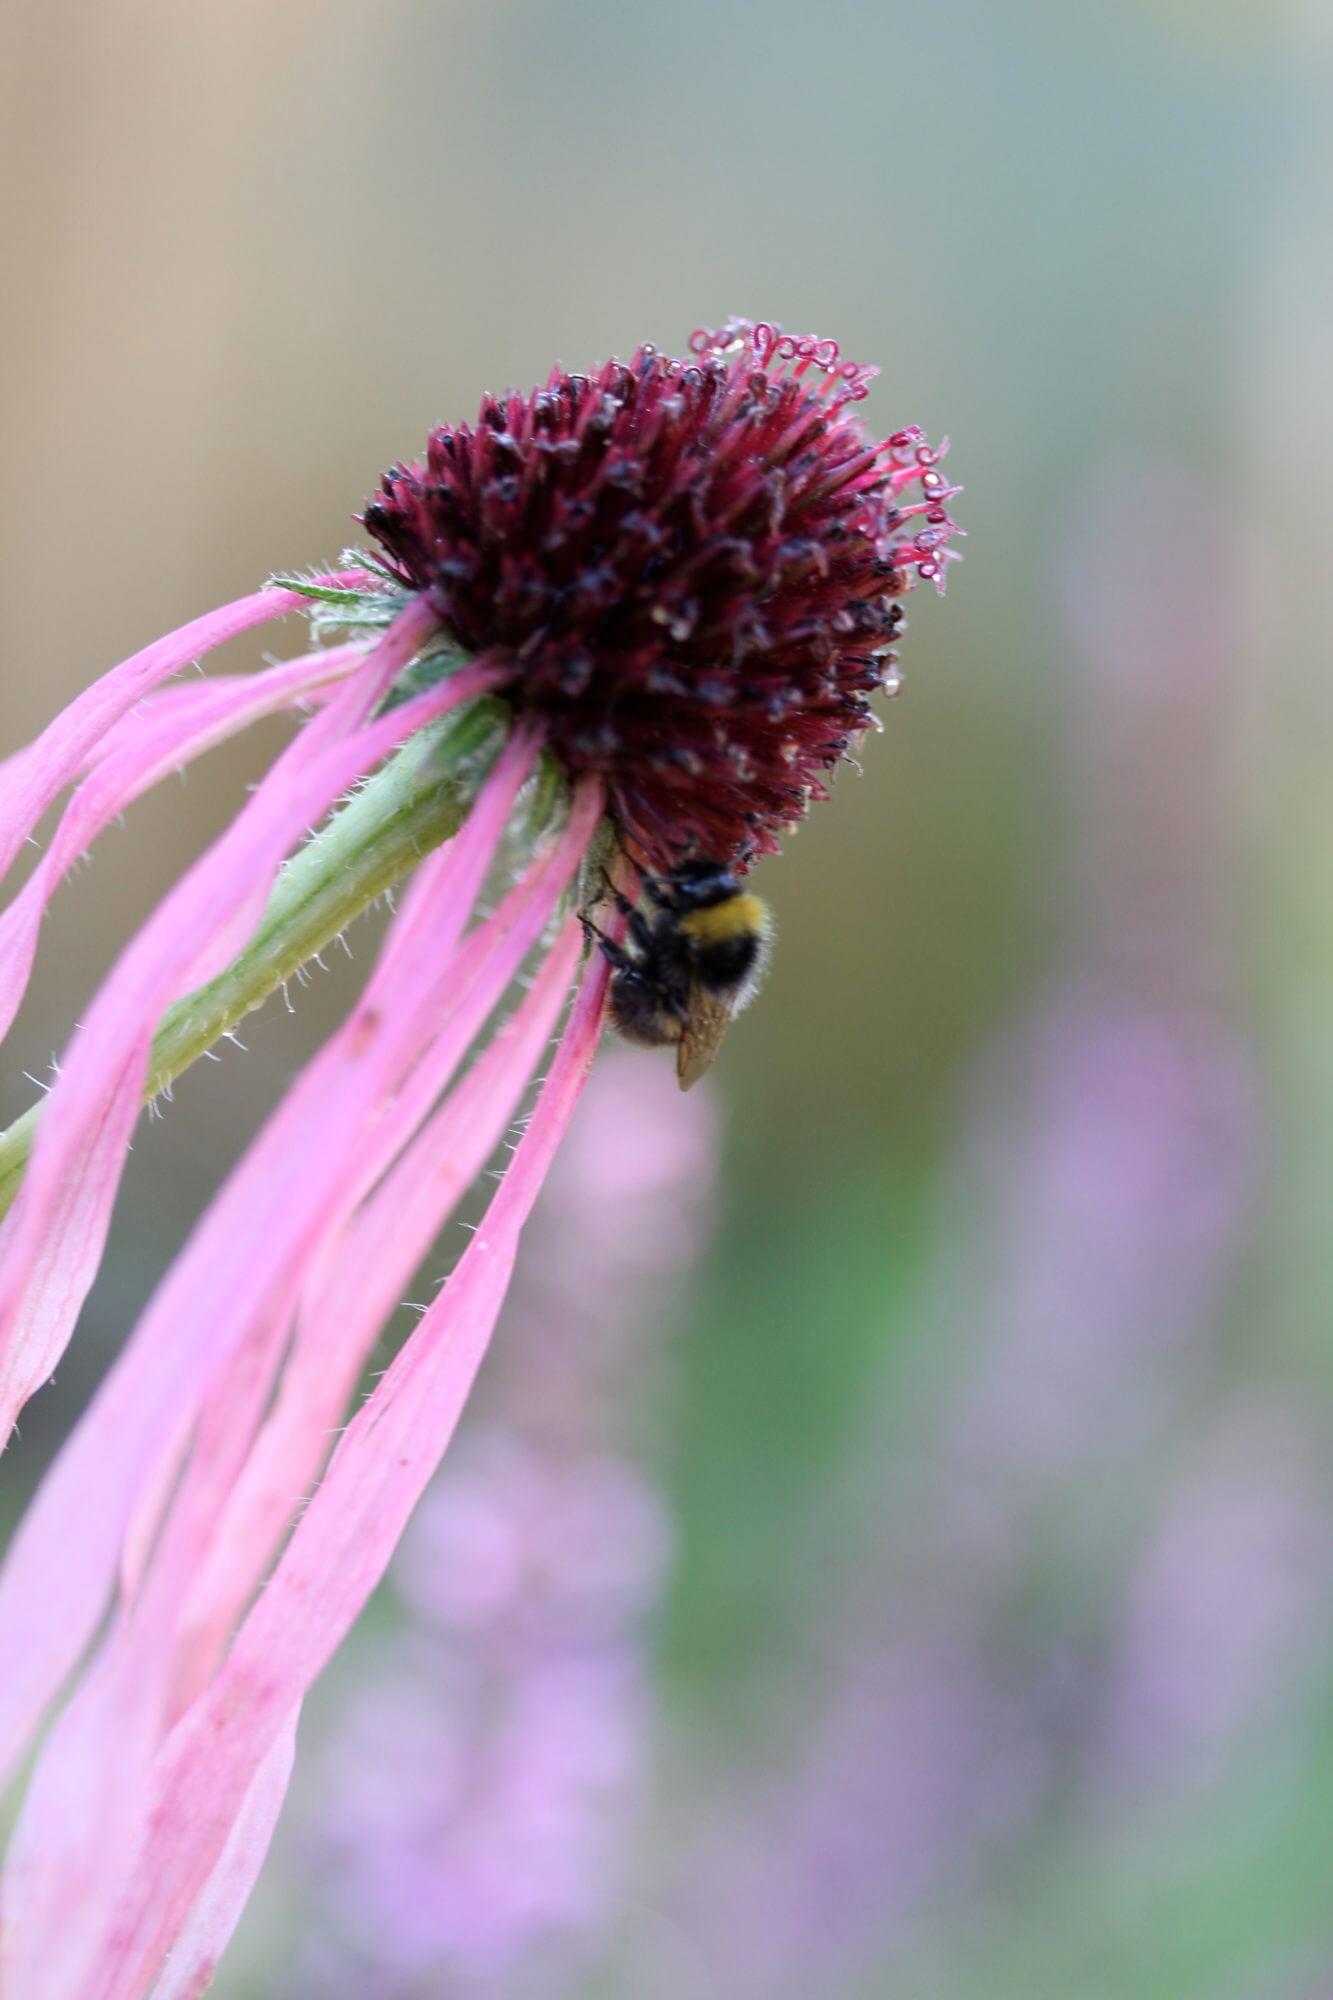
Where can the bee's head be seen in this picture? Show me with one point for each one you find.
(698, 885)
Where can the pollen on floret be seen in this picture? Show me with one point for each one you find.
(689, 571)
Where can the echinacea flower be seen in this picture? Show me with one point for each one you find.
(629, 618)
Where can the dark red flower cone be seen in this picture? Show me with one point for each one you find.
(688, 571)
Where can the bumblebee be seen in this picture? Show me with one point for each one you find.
(693, 956)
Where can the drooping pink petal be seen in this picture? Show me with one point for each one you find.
(327, 1132)
(476, 977)
(207, 1930)
(32, 777)
(483, 970)
(64, 1863)
(133, 762)
(57, 1893)
(57, 1863)
(501, 1709)
(189, 705)
(338, 1551)
(341, 1320)
(51, 1240)
(64, 1554)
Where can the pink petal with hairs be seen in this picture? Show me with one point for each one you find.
(51, 1240)
(59, 1856)
(337, 1554)
(241, 1270)
(489, 960)
(57, 1861)
(32, 777)
(423, 934)
(185, 706)
(374, 1260)
(495, 949)
(129, 764)
(480, 1110)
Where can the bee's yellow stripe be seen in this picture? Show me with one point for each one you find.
(739, 916)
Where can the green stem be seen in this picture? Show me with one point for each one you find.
(414, 804)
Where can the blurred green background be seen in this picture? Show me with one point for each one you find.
(994, 1415)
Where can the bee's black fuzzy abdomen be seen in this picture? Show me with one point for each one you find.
(726, 964)
(644, 1011)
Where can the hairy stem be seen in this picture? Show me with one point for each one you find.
(414, 804)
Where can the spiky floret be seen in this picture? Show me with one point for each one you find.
(688, 571)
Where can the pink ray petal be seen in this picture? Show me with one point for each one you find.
(480, 1109)
(57, 1894)
(484, 968)
(186, 706)
(208, 1928)
(62, 1561)
(333, 1113)
(147, 753)
(51, 1240)
(54, 1866)
(495, 949)
(337, 1553)
(53, 1599)
(340, 1323)
(32, 777)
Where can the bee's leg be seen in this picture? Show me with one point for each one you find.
(615, 954)
(611, 894)
(660, 893)
(637, 925)
(655, 889)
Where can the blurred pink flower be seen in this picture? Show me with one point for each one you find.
(1226, 1613)
(1103, 1179)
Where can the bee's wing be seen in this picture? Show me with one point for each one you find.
(701, 1037)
